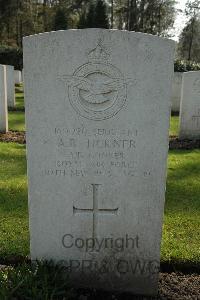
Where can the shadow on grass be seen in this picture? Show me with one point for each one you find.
(183, 188)
(13, 182)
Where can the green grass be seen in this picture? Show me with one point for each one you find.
(19, 100)
(174, 123)
(41, 281)
(181, 232)
(181, 221)
(19, 96)
(16, 121)
(13, 200)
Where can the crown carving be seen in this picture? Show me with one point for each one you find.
(98, 54)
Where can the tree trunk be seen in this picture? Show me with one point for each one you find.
(191, 39)
(45, 14)
(112, 13)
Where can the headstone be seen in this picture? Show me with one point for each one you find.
(176, 91)
(18, 77)
(3, 101)
(97, 111)
(189, 127)
(10, 86)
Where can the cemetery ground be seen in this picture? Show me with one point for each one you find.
(180, 254)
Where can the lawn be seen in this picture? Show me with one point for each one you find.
(16, 121)
(181, 221)
(13, 200)
(19, 96)
(174, 124)
(181, 232)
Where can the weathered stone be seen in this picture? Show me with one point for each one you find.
(97, 111)
(190, 106)
(3, 101)
(18, 76)
(176, 91)
(10, 86)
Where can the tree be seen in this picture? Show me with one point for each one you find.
(100, 15)
(150, 16)
(90, 23)
(60, 21)
(189, 41)
(82, 21)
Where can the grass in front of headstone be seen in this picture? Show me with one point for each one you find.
(174, 124)
(37, 281)
(16, 121)
(16, 117)
(19, 100)
(181, 221)
(14, 237)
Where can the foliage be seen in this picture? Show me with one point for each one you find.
(150, 16)
(96, 17)
(41, 280)
(60, 21)
(186, 66)
(20, 18)
(11, 56)
(189, 41)
(90, 22)
(100, 16)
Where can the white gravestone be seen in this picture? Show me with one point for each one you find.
(3, 101)
(189, 126)
(18, 77)
(176, 91)
(10, 86)
(97, 111)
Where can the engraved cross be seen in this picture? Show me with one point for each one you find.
(95, 210)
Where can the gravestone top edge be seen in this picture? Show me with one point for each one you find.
(112, 31)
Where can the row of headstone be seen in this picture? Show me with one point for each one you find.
(186, 101)
(97, 112)
(18, 77)
(189, 126)
(3, 100)
(176, 91)
(10, 79)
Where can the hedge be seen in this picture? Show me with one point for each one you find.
(185, 66)
(11, 56)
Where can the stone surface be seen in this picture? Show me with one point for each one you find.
(18, 76)
(97, 111)
(189, 126)
(10, 79)
(176, 91)
(3, 100)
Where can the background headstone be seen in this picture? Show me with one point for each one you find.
(189, 126)
(10, 85)
(97, 112)
(3, 101)
(18, 76)
(176, 91)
